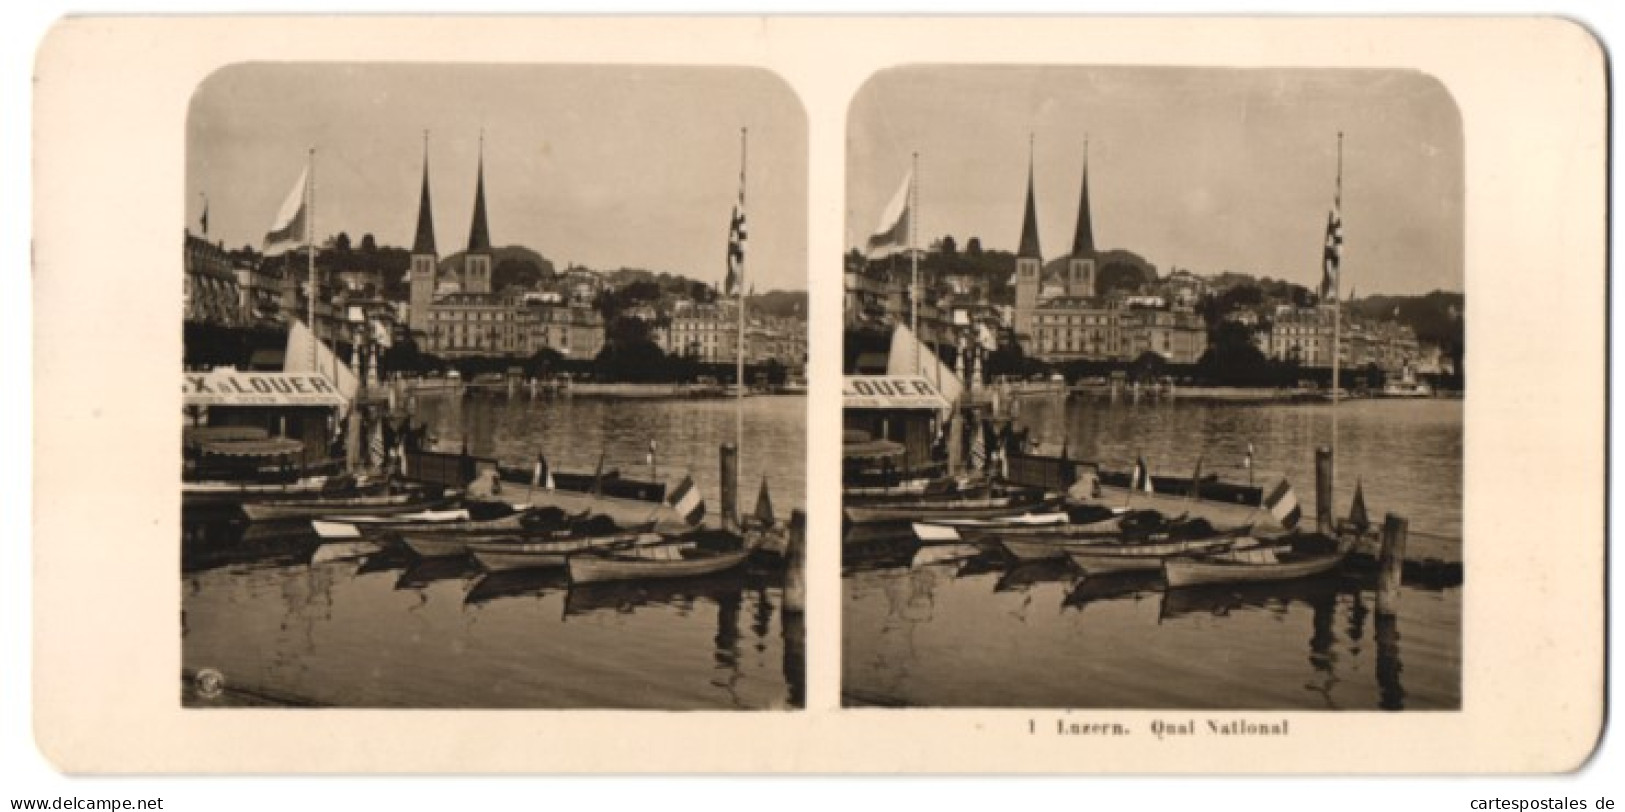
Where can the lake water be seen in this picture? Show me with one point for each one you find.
(949, 626)
(286, 619)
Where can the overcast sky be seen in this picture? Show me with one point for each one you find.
(601, 166)
(1206, 169)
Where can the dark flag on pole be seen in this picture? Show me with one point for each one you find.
(736, 244)
(1332, 259)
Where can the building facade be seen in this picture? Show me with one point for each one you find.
(210, 293)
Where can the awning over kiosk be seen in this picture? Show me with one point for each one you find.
(891, 392)
(259, 389)
(275, 447)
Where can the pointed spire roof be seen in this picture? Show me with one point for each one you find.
(479, 236)
(1083, 239)
(423, 243)
(1029, 222)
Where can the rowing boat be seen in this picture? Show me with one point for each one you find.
(934, 510)
(1280, 559)
(384, 504)
(1096, 559)
(675, 559)
(351, 527)
(504, 556)
(1048, 547)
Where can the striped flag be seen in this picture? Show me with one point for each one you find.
(1282, 503)
(289, 230)
(687, 502)
(598, 477)
(541, 474)
(650, 457)
(736, 244)
(1333, 257)
(1247, 461)
(1141, 480)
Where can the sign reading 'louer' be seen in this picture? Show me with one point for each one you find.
(259, 389)
(890, 392)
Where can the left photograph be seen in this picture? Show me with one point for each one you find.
(494, 388)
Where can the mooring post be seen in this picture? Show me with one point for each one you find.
(1391, 563)
(795, 564)
(1323, 490)
(730, 485)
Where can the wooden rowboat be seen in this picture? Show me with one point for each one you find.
(678, 559)
(1049, 547)
(437, 543)
(505, 556)
(1281, 559)
(385, 504)
(1096, 559)
(933, 510)
(352, 527)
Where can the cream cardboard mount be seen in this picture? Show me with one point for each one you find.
(111, 106)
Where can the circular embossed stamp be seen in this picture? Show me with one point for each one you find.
(209, 682)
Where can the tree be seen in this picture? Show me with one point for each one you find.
(1148, 366)
(949, 247)
(974, 247)
(368, 244)
(1232, 359)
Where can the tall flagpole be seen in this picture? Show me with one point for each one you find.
(310, 255)
(739, 401)
(914, 256)
(1337, 302)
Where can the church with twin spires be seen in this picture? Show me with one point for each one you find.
(1073, 321)
(463, 316)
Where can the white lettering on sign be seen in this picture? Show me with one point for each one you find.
(890, 392)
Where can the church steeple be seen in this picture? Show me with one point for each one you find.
(1029, 222)
(423, 276)
(1083, 239)
(423, 243)
(479, 236)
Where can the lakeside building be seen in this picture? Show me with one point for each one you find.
(210, 293)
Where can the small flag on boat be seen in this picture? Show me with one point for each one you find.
(650, 457)
(1283, 505)
(541, 474)
(1247, 461)
(1196, 479)
(1358, 518)
(598, 477)
(1141, 480)
(764, 505)
(687, 502)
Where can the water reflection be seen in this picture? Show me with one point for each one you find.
(284, 615)
(1388, 664)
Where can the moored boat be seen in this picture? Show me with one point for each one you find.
(316, 507)
(1282, 559)
(505, 556)
(678, 558)
(1041, 548)
(930, 510)
(1096, 559)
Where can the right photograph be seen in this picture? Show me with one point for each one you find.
(1153, 391)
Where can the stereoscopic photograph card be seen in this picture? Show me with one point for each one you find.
(1018, 396)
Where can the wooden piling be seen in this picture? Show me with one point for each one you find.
(1323, 490)
(1391, 563)
(795, 564)
(730, 485)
